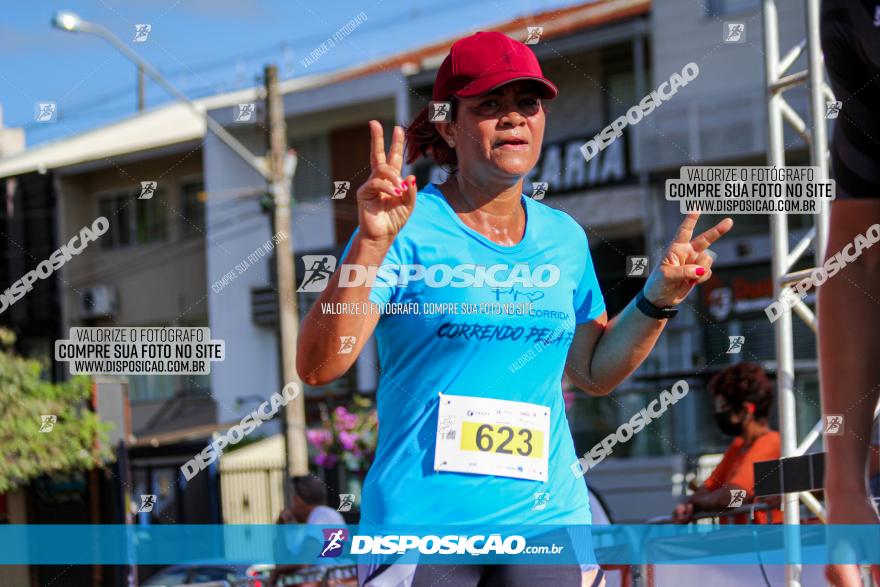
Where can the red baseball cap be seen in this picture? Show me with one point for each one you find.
(484, 61)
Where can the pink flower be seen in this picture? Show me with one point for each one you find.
(319, 437)
(568, 397)
(325, 460)
(345, 419)
(348, 439)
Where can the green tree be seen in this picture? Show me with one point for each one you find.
(77, 439)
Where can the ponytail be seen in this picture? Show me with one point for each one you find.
(423, 140)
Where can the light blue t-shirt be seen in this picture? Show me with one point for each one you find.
(500, 356)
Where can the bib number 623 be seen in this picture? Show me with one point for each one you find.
(501, 439)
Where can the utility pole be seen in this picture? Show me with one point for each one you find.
(282, 165)
(140, 88)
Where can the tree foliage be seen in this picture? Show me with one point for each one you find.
(25, 397)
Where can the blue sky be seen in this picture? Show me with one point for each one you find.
(205, 47)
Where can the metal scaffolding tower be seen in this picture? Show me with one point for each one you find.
(783, 259)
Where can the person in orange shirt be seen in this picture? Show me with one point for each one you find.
(743, 398)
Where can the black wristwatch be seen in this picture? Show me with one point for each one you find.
(652, 311)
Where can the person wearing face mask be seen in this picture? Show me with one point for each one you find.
(743, 397)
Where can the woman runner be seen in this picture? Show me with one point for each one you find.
(444, 455)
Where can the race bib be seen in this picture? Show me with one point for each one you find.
(492, 437)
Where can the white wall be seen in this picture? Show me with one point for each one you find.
(721, 114)
(681, 32)
(235, 228)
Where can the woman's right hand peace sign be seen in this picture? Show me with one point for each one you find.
(385, 201)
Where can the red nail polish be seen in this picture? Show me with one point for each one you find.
(397, 191)
(701, 271)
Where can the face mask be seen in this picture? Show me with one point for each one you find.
(726, 425)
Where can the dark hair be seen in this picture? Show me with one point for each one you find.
(423, 140)
(744, 382)
(310, 489)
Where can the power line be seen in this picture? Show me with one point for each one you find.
(71, 114)
(310, 40)
(232, 60)
(171, 250)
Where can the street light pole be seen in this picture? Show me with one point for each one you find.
(279, 175)
(69, 21)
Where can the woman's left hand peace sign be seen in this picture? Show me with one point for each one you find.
(685, 264)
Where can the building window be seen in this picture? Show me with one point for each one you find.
(143, 388)
(116, 210)
(133, 221)
(715, 8)
(311, 181)
(192, 223)
(150, 387)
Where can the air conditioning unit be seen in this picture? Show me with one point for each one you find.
(97, 302)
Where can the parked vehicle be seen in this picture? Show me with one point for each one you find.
(211, 572)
